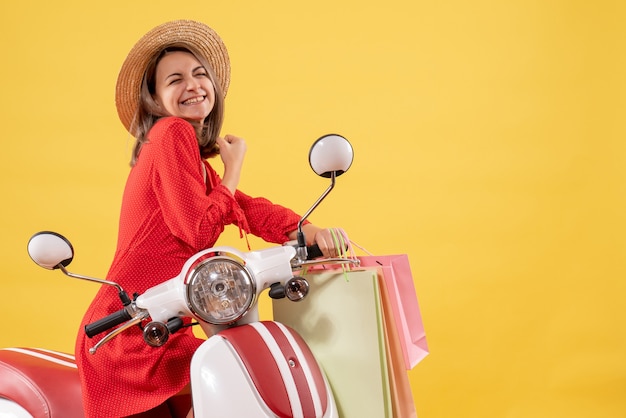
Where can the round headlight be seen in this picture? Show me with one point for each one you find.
(220, 290)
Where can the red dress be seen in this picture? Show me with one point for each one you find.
(168, 214)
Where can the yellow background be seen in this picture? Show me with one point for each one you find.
(489, 140)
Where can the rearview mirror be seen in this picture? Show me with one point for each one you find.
(50, 250)
(331, 154)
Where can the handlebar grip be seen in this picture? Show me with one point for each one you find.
(313, 251)
(107, 323)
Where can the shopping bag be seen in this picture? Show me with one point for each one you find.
(398, 279)
(402, 404)
(342, 321)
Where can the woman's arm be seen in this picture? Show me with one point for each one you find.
(180, 188)
(232, 152)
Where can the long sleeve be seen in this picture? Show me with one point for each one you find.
(267, 220)
(261, 217)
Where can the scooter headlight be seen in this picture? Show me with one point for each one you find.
(220, 290)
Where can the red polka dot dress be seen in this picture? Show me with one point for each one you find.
(169, 212)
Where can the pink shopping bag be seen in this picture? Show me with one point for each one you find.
(398, 280)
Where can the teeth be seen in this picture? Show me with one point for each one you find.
(193, 100)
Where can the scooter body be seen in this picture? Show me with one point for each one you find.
(263, 369)
(250, 368)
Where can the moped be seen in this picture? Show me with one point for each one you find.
(246, 368)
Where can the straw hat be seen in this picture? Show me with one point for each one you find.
(197, 35)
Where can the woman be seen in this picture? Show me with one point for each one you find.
(170, 97)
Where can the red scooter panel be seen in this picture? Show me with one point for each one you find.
(282, 367)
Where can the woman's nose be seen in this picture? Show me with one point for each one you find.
(193, 84)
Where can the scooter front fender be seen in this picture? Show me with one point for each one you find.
(262, 369)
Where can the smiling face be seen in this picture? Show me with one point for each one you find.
(183, 87)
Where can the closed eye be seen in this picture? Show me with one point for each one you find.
(199, 71)
(172, 78)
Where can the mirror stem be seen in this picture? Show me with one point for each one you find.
(302, 252)
(121, 292)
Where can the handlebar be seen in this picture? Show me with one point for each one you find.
(107, 323)
(313, 252)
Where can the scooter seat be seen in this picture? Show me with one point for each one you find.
(43, 382)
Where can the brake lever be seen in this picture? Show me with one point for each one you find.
(296, 264)
(135, 321)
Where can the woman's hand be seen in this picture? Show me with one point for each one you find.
(324, 239)
(232, 151)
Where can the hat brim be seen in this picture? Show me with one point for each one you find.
(198, 36)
